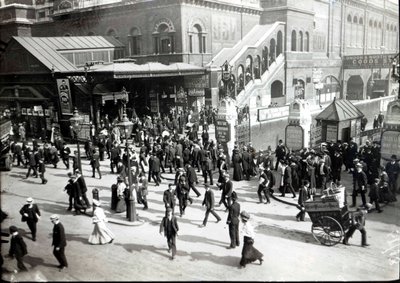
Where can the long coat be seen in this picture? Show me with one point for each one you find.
(209, 200)
(17, 246)
(164, 227)
(59, 236)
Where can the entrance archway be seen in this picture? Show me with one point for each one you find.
(355, 88)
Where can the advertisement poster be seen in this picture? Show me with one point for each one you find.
(64, 92)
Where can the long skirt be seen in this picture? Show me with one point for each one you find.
(101, 234)
(121, 205)
(249, 253)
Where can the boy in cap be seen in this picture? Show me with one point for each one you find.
(360, 182)
(17, 248)
(59, 241)
(374, 194)
(357, 223)
(31, 214)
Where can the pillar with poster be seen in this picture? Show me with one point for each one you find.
(296, 132)
(225, 125)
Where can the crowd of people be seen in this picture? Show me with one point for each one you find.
(162, 146)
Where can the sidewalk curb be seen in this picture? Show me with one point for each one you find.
(284, 201)
(126, 222)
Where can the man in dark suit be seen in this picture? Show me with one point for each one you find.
(227, 190)
(95, 163)
(233, 222)
(31, 214)
(280, 153)
(82, 187)
(169, 225)
(169, 198)
(59, 241)
(182, 192)
(154, 168)
(18, 153)
(65, 152)
(32, 164)
(246, 163)
(17, 248)
(357, 223)
(115, 156)
(287, 179)
(209, 202)
(192, 179)
(360, 183)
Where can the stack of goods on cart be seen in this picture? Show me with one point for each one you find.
(334, 192)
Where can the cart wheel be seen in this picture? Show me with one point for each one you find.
(327, 231)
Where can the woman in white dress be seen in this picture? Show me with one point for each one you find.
(101, 234)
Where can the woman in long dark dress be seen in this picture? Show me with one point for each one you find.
(249, 253)
(237, 167)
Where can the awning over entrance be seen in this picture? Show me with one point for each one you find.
(130, 70)
(340, 110)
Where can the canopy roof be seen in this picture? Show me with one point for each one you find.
(151, 69)
(48, 50)
(340, 110)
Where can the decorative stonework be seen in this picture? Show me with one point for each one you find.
(164, 21)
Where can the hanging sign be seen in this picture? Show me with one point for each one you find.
(64, 93)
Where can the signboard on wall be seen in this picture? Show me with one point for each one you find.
(294, 137)
(369, 61)
(331, 133)
(390, 144)
(223, 131)
(197, 92)
(195, 81)
(64, 92)
(316, 134)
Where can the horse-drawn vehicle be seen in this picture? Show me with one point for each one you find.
(329, 215)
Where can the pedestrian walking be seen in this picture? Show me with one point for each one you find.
(304, 194)
(233, 222)
(191, 178)
(59, 242)
(30, 214)
(121, 187)
(280, 153)
(263, 186)
(169, 225)
(357, 223)
(17, 248)
(142, 191)
(65, 152)
(42, 170)
(374, 194)
(209, 202)
(69, 189)
(360, 183)
(101, 233)
(83, 188)
(227, 191)
(182, 192)
(95, 163)
(169, 198)
(249, 252)
(32, 164)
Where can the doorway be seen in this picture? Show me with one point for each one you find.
(346, 134)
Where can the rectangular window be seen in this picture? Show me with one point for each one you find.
(41, 14)
(190, 43)
(100, 56)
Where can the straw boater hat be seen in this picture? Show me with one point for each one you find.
(29, 200)
(245, 215)
(54, 217)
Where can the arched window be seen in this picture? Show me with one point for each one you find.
(197, 40)
(301, 41)
(249, 69)
(240, 75)
(279, 43)
(379, 25)
(299, 89)
(307, 42)
(355, 20)
(391, 27)
(265, 55)
(134, 41)
(272, 48)
(294, 40)
(375, 24)
(256, 68)
(349, 18)
(276, 89)
(360, 21)
(163, 37)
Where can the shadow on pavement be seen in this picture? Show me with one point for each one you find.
(139, 248)
(280, 232)
(76, 238)
(278, 216)
(56, 208)
(37, 261)
(197, 239)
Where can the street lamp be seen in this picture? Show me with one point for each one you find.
(226, 76)
(126, 126)
(76, 124)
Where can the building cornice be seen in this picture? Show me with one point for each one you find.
(287, 8)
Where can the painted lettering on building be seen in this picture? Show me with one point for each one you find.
(224, 28)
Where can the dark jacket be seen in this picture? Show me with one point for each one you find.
(95, 162)
(32, 212)
(169, 198)
(233, 215)
(17, 246)
(358, 219)
(191, 175)
(59, 236)
(209, 199)
(169, 231)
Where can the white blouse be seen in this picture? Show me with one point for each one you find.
(248, 230)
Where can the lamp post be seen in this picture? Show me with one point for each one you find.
(226, 76)
(126, 126)
(76, 124)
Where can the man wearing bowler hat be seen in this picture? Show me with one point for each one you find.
(59, 242)
(209, 202)
(361, 183)
(233, 222)
(393, 170)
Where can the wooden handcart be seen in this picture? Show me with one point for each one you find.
(329, 216)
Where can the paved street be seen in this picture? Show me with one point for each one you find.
(139, 252)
